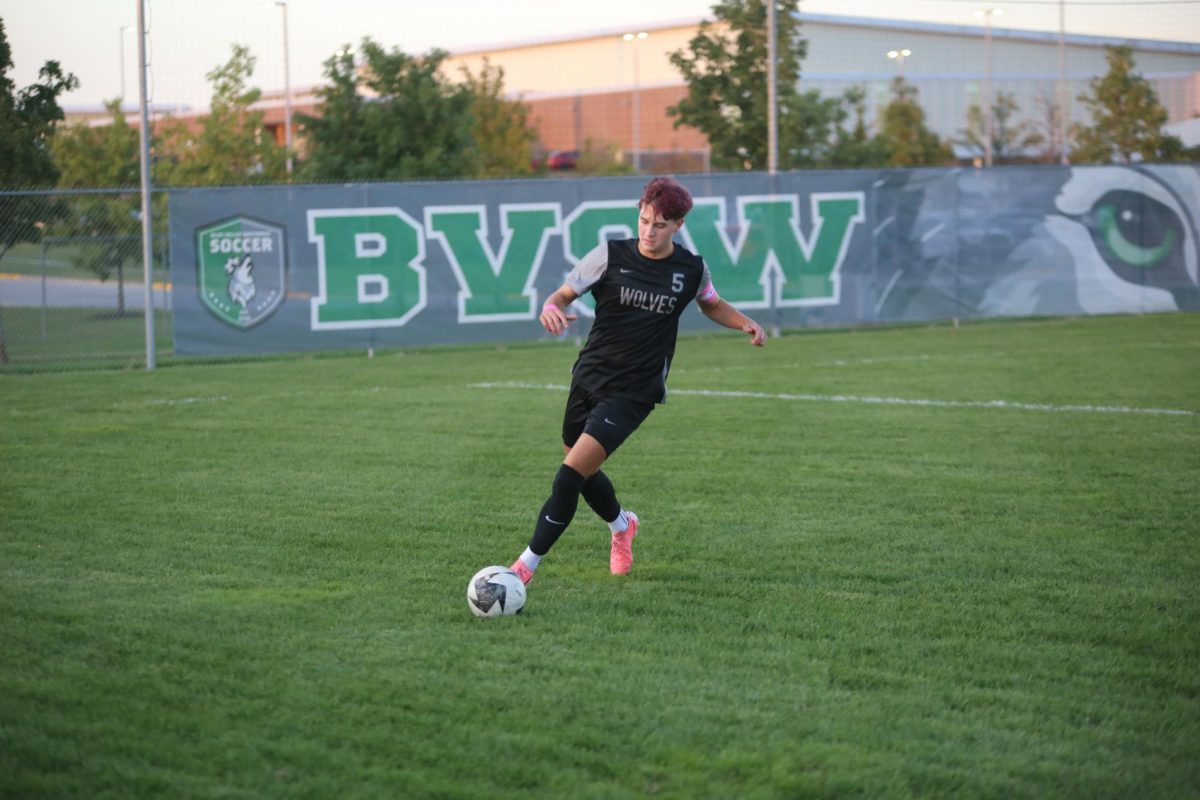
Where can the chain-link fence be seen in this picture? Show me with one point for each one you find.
(72, 282)
(301, 268)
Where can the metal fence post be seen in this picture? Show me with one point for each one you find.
(42, 249)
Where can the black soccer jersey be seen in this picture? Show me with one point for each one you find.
(638, 303)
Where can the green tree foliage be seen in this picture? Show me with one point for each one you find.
(1048, 125)
(601, 158)
(392, 117)
(855, 147)
(1127, 118)
(107, 227)
(1011, 140)
(726, 77)
(503, 137)
(902, 128)
(90, 156)
(27, 122)
(231, 147)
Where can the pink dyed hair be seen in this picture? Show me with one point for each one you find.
(668, 197)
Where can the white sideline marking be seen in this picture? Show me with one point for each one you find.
(183, 401)
(888, 401)
(841, 362)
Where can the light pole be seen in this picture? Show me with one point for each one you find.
(772, 93)
(121, 49)
(634, 38)
(898, 56)
(988, 13)
(1062, 83)
(147, 208)
(287, 88)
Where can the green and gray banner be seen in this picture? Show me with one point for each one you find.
(274, 269)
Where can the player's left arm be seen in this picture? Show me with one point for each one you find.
(722, 313)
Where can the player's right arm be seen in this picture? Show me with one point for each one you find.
(591, 268)
(554, 316)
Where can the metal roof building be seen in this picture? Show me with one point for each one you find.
(585, 88)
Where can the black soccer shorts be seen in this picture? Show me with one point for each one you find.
(610, 421)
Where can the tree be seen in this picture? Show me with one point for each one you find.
(726, 77)
(856, 148)
(231, 146)
(501, 129)
(1050, 129)
(601, 158)
(395, 118)
(1011, 140)
(27, 121)
(1127, 119)
(102, 156)
(902, 128)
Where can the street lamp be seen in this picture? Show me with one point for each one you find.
(1063, 100)
(988, 13)
(898, 56)
(772, 93)
(121, 49)
(287, 88)
(634, 38)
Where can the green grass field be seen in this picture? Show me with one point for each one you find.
(57, 261)
(62, 259)
(53, 339)
(248, 580)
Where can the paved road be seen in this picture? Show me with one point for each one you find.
(16, 290)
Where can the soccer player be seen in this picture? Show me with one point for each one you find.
(640, 287)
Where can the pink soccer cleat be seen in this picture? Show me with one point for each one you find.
(523, 572)
(620, 558)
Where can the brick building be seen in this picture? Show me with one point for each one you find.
(583, 90)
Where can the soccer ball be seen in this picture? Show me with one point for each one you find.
(495, 592)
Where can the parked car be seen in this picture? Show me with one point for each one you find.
(562, 159)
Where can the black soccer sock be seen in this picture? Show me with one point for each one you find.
(558, 510)
(599, 493)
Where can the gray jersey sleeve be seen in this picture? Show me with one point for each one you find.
(705, 282)
(590, 269)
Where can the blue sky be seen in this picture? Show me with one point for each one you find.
(190, 37)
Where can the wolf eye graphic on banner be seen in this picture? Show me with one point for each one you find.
(1083, 240)
(1133, 237)
(240, 265)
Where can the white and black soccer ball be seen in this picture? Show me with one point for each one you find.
(495, 592)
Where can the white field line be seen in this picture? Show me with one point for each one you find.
(881, 360)
(837, 362)
(183, 401)
(187, 401)
(887, 401)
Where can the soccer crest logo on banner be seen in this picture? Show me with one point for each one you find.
(241, 264)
